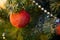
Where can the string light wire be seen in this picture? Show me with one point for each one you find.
(39, 6)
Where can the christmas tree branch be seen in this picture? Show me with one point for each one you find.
(18, 33)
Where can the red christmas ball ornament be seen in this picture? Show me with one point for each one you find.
(20, 19)
(58, 30)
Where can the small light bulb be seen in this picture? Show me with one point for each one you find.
(48, 12)
(39, 6)
(36, 3)
(45, 10)
(42, 8)
(4, 38)
(33, 1)
(51, 15)
(3, 34)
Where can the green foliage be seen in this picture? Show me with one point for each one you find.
(55, 7)
(4, 14)
(27, 33)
